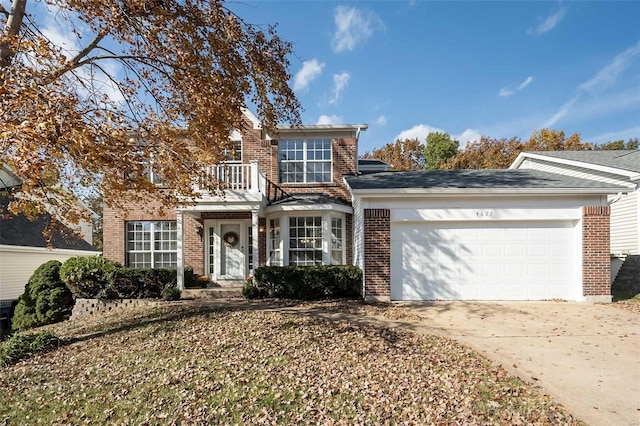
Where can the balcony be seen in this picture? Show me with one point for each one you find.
(230, 183)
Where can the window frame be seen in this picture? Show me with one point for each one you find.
(305, 160)
(280, 242)
(154, 227)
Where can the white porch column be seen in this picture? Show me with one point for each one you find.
(180, 254)
(255, 177)
(255, 239)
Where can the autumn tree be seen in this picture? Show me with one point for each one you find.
(490, 153)
(439, 148)
(405, 154)
(159, 82)
(619, 144)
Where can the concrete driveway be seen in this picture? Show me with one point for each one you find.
(586, 356)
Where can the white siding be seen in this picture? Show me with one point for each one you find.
(624, 225)
(567, 170)
(624, 212)
(18, 263)
(358, 233)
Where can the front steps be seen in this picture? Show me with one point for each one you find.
(628, 278)
(226, 292)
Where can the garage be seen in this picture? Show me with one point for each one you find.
(482, 235)
(522, 260)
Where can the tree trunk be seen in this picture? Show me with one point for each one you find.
(11, 30)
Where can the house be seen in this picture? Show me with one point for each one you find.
(298, 197)
(285, 203)
(619, 167)
(23, 248)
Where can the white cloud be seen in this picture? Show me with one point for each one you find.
(329, 119)
(508, 91)
(381, 121)
(353, 26)
(505, 92)
(310, 71)
(611, 71)
(419, 131)
(546, 25)
(469, 135)
(340, 82)
(605, 76)
(525, 83)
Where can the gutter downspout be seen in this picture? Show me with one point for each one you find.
(615, 199)
(357, 154)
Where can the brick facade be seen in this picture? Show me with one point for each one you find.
(255, 148)
(377, 254)
(596, 257)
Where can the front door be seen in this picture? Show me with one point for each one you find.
(232, 251)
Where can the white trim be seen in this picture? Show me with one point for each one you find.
(309, 207)
(29, 249)
(257, 125)
(482, 192)
(179, 249)
(633, 176)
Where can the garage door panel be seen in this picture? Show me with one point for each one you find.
(483, 261)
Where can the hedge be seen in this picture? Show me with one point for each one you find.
(305, 282)
(99, 278)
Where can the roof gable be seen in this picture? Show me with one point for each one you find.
(623, 162)
(20, 231)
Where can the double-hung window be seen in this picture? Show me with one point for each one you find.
(305, 160)
(152, 244)
(305, 240)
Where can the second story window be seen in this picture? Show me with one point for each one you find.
(233, 154)
(304, 160)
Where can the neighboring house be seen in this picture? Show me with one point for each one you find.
(23, 247)
(298, 198)
(618, 167)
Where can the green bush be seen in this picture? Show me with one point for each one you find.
(24, 345)
(88, 277)
(46, 299)
(171, 293)
(305, 282)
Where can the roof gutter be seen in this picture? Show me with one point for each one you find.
(483, 192)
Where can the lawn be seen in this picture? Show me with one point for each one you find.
(190, 365)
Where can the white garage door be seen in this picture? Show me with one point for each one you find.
(485, 261)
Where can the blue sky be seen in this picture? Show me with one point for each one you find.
(499, 69)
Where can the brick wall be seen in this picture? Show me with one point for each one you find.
(377, 254)
(345, 157)
(114, 229)
(596, 258)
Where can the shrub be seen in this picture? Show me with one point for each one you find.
(304, 282)
(171, 293)
(140, 283)
(24, 345)
(46, 299)
(88, 277)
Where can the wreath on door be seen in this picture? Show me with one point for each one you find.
(230, 239)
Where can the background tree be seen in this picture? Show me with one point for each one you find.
(147, 80)
(439, 148)
(407, 154)
(490, 153)
(619, 144)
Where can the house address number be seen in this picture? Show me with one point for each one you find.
(485, 213)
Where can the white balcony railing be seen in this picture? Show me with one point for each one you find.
(234, 177)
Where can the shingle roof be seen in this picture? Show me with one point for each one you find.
(621, 159)
(309, 199)
(20, 231)
(473, 179)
